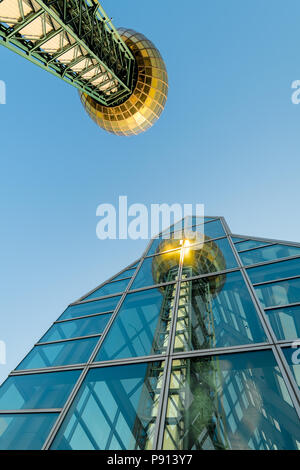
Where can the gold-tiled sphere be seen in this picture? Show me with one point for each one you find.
(143, 108)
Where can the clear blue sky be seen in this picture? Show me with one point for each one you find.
(229, 138)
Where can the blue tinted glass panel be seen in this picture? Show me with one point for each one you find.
(158, 269)
(127, 273)
(271, 272)
(212, 229)
(268, 253)
(248, 244)
(230, 402)
(208, 257)
(37, 390)
(109, 289)
(216, 311)
(172, 240)
(279, 293)
(292, 356)
(171, 228)
(285, 322)
(76, 328)
(141, 326)
(89, 308)
(59, 354)
(237, 240)
(115, 408)
(25, 432)
(187, 222)
(164, 244)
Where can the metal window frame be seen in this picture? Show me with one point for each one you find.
(281, 279)
(30, 411)
(111, 279)
(62, 415)
(37, 345)
(274, 345)
(57, 341)
(257, 247)
(168, 229)
(109, 312)
(167, 357)
(104, 285)
(192, 245)
(277, 307)
(262, 239)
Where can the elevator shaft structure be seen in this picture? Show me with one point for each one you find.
(74, 40)
(194, 326)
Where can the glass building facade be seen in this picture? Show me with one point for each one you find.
(192, 347)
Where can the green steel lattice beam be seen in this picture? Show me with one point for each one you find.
(90, 36)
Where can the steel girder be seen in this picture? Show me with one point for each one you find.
(72, 39)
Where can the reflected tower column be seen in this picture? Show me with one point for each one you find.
(195, 326)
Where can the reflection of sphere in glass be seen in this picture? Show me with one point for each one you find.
(142, 109)
(203, 258)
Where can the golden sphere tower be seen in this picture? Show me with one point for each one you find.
(144, 106)
(119, 73)
(201, 256)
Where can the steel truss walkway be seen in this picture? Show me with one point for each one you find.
(72, 39)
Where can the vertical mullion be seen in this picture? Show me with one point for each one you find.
(163, 405)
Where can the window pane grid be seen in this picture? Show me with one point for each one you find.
(150, 340)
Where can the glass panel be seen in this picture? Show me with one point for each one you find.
(208, 257)
(48, 390)
(187, 222)
(212, 229)
(230, 401)
(173, 228)
(292, 356)
(141, 326)
(59, 354)
(237, 240)
(89, 308)
(271, 272)
(25, 431)
(268, 253)
(164, 244)
(195, 234)
(115, 408)
(158, 269)
(76, 328)
(109, 289)
(279, 293)
(285, 322)
(127, 273)
(216, 311)
(37, 390)
(246, 245)
(194, 220)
